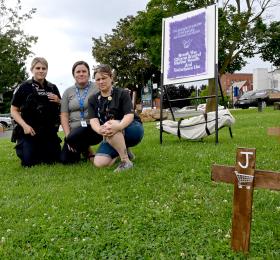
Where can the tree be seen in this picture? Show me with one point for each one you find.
(235, 45)
(270, 44)
(15, 45)
(147, 26)
(120, 52)
(240, 27)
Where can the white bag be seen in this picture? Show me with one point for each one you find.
(198, 127)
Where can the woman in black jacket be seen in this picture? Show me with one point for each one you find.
(36, 110)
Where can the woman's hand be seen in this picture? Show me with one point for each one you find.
(70, 148)
(53, 98)
(28, 130)
(111, 127)
(103, 130)
(15, 112)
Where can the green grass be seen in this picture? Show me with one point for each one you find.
(166, 207)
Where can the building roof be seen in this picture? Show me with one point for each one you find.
(238, 84)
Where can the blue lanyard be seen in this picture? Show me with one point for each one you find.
(82, 100)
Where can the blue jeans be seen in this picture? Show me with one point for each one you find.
(133, 135)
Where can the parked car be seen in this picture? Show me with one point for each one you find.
(253, 98)
(5, 121)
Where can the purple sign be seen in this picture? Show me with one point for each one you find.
(187, 53)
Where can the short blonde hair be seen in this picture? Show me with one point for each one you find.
(38, 59)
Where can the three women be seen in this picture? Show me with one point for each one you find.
(88, 116)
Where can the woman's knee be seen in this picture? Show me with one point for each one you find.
(25, 151)
(134, 134)
(102, 161)
(68, 157)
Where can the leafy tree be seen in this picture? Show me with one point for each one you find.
(14, 44)
(270, 44)
(204, 92)
(147, 26)
(119, 51)
(179, 93)
(240, 27)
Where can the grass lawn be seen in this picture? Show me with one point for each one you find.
(166, 207)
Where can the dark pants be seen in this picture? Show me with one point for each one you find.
(34, 150)
(80, 139)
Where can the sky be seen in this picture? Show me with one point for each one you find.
(65, 29)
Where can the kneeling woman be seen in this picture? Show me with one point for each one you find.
(36, 109)
(113, 117)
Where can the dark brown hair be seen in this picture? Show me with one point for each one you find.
(80, 62)
(103, 68)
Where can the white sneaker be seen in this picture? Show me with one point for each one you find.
(124, 166)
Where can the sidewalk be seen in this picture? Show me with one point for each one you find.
(6, 133)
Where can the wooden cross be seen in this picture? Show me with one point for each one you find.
(245, 179)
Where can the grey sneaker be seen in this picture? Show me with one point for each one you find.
(123, 166)
(130, 154)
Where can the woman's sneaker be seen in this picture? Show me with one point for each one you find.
(124, 166)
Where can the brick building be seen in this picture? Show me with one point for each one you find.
(229, 81)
